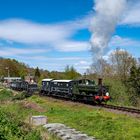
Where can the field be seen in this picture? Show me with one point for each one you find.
(93, 121)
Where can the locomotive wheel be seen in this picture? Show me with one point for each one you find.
(83, 93)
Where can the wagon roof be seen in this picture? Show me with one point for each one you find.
(47, 79)
(66, 81)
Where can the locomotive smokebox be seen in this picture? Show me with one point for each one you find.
(100, 81)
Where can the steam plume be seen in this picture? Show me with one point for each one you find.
(107, 15)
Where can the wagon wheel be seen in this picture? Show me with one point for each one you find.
(73, 98)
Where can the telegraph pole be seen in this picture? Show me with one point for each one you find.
(8, 72)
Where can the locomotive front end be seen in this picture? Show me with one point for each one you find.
(103, 93)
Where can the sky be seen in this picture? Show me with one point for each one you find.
(51, 34)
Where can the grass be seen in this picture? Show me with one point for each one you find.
(5, 95)
(93, 121)
(14, 119)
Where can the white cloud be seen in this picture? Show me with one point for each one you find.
(123, 44)
(58, 63)
(118, 41)
(83, 64)
(7, 51)
(132, 14)
(27, 32)
(69, 45)
(56, 36)
(51, 59)
(49, 37)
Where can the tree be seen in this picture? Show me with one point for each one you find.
(133, 84)
(121, 62)
(101, 68)
(13, 67)
(71, 73)
(134, 79)
(37, 73)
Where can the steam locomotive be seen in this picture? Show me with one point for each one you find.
(77, 90)
(81, 90)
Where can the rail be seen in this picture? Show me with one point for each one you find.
(120, 108)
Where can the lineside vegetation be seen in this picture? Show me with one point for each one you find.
(105, 125)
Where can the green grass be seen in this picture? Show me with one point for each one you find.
(13, 128)
(95, 122)
(14, 119)
(5, 95)
(12, 115)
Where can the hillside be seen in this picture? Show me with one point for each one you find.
(20, 69)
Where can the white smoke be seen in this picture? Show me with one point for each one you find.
(106, 18)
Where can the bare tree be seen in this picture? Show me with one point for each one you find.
(121, 62)
(102, 68)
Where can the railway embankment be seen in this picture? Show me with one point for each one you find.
(94, 121)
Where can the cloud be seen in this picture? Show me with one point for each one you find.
(30, 42)
(123, 44)
(132, 14)
(59, 63)
(57, 36)
(83, 65)
(28, 32)
(82, 62)
(7, 51)
(73, 46)
(118, 41)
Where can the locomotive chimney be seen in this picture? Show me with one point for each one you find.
(100, 81)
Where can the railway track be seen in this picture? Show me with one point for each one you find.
(120, 108)
(114, 107)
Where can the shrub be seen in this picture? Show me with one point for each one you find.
(118, 92)
(11, 127)
(5, 95)
(20, 96)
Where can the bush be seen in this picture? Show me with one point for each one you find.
(5, 95)
(20, 96)
(12, 128)
(118, 92)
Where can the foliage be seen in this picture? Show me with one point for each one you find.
(121, 62)
(133, 84)
(8, 95)
(5, 95)
(11, 127)
(20, 96)
(134, 79)
(15, 68)
(20, 69)
(71, 73)
(122, 74)
(37, 72)
(118, 92)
